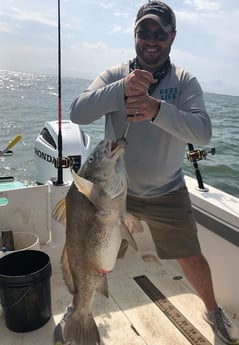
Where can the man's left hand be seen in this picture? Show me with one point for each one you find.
(144, 107)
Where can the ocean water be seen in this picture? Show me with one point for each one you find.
(27, 101)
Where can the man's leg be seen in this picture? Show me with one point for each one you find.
(197, 271)
(174, 231)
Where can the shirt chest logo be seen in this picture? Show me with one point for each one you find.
(168, 94)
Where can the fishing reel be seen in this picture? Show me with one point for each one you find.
(62, 162)
(73, 162)
(197, 155)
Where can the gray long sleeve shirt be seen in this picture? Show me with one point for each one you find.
(155, 151)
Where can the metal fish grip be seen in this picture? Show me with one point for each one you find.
(174, 315)
(123, 140)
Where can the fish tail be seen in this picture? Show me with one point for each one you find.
(82, 330)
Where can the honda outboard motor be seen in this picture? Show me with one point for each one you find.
(75, 146)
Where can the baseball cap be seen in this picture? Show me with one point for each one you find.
(158, 11)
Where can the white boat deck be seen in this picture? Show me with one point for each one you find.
(128, 316)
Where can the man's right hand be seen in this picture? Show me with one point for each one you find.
(138, 82)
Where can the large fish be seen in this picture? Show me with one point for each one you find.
(96, 219)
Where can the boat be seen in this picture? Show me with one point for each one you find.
(150, 301)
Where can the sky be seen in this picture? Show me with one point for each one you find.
(97, 34)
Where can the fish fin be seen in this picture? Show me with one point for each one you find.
(128, 236)
(81, 329)
(59, 212)
(67, 272)
(103, 287)
(88, 188)
(133, 224)
(123, 247)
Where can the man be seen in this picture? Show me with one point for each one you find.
(165, 107)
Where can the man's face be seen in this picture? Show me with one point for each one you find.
(152, 44)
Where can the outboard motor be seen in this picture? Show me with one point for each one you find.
(75, 146)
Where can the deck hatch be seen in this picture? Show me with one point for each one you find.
(174, 315)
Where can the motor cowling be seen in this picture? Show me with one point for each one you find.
(75, 146)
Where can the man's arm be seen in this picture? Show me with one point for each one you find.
(105, 94)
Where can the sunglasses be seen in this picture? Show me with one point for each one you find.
(149, 35)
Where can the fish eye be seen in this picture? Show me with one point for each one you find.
(91, 159)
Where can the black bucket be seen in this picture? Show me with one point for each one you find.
(25, 289)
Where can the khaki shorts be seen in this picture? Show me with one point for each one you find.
(171, 221)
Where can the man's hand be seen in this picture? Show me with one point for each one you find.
(139, 105)
(143, 107)
(138, 82)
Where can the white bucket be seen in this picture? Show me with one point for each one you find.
(22, 241)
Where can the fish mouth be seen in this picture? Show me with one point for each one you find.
(114, 148)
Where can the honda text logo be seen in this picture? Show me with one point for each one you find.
(45, 156)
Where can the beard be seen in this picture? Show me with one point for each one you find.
(151, 58)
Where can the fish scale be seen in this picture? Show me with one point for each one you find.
(96, 220)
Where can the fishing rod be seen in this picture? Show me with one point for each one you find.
(59, 161)
(194, 156)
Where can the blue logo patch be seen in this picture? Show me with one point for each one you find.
(167, 94)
